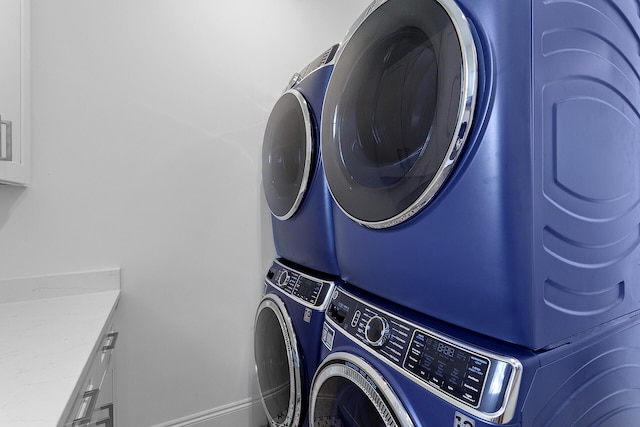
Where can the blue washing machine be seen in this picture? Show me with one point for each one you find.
(384, 368)
(287, 333)
(292, 175)
(485, 163)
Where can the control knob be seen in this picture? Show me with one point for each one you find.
(283, 278)
(377, 331)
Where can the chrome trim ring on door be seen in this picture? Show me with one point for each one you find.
(308, 156)
(366, 378)
(275, 305)
(460, 131)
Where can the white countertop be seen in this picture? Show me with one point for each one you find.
(47, 343)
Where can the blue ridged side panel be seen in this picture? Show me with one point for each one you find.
(592, 383)
(586, 161)
(307, 237)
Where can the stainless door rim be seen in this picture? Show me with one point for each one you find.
(466, 108)
(276, 305)
(334, 366)
(308, 155)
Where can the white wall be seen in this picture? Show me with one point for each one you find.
(147, 124)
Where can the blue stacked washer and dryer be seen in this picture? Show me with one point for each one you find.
(484, 160)
(483, 163)
(290, 316)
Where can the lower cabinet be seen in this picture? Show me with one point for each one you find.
(94, 404)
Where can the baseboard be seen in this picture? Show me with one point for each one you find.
(248, 412)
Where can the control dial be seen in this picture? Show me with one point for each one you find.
(283, 278)
(377, 331)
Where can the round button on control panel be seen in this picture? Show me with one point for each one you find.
(283, 278)
(377, 330)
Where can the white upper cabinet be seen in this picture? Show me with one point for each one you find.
(14, 92)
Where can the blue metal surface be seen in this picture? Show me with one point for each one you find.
(535, 237)
(307, 237)
(595, 381)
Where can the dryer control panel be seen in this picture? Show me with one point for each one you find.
(471, 378)
(308, 289)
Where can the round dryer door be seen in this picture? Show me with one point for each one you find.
(346, 391)
(277, 363)
(398, 108)
(287, 154)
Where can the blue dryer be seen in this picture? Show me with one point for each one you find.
(484, 157)
(384, 368)
(292, 175)
(287, 333)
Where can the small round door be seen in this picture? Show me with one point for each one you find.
(277, 363)
(398, 108)
(347, 392)
(287, 154)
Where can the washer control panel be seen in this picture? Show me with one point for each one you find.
(301, 286)
(467, 376)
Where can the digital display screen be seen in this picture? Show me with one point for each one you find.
(445, 349)
(308, 289)
(453, 370)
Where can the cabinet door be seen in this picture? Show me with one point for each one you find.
(14, 92)
(103, 415)
(94, 406)
(103, 412)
